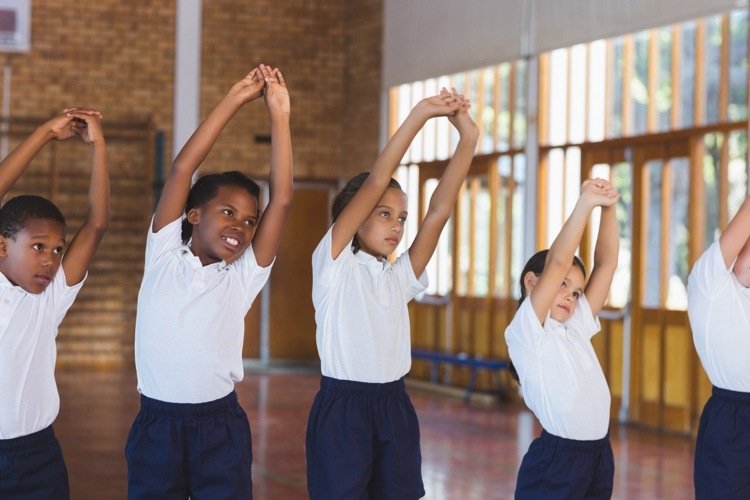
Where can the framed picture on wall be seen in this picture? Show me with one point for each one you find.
(15, 25)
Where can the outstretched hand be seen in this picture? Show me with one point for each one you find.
(276, 94)
(86, 123)
(600, 192)
(250, 87)
(444, 104)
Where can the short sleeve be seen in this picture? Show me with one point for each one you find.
(252, 275)
(709, 274)
(161, 242)
(410, 283)
(62, 294)
(583, 320)
(326, 267)
(525, 328)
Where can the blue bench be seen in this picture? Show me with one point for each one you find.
(461, 359)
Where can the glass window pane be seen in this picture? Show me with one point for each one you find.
(481, 238)
(738, 62)
(555, 183)
(487, 118)
(712, 68)
(464, 255)
(558, 91)
(442, 126)
(404, 107)
(677, 250)
(429, 130)
(519, 114)
(415, 149)
(505, 169)
(439, 269)
(519, 227)
(711, 158)
(652, 205)
(577, 116)
(639, 83)
(687, 74)
(737, 171)
(664, 84)
(620, 176)
(618, 66)
(597, 76)
(503, 110)
(573, 181)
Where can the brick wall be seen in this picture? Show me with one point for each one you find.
(118, 56)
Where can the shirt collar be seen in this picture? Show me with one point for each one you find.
(554, 326)
(193, 259)
(5, 282)
(371, 261)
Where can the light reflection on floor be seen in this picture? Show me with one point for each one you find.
(469, 452)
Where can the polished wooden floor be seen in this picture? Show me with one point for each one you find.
(469, 451)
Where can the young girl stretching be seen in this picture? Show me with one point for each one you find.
(363, 434)
(719, 311)
(191, 438)
(549, 342)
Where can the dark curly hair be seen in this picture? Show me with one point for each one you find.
(15, 213)
(536, 265)
(344, 196)
(205, 189)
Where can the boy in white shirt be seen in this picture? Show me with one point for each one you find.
(39, 280)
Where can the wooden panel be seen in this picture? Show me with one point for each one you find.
(614, 374)
(677, 345)
(650, 366)
(292, 336)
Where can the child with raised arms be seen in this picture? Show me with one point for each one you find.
(208, 254)
(719, 312)
(363, 434)
(549, 342)
(40, 277)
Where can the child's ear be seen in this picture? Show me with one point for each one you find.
(529, 281)
(3, 247)
(194, 216)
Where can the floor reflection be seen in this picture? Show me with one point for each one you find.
(468, 452)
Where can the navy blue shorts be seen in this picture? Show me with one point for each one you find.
(176, 450)
(556, 467)
(722, 450)
(363, 443)
(32, 468)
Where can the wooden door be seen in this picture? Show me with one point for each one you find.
(290, 314)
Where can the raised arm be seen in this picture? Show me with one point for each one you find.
(594, 192)
(363, 202)
(81, 250)
(736, 234)
(606, 253)
(11, 168)
(270, 229)
(177, 185)
(444, 198)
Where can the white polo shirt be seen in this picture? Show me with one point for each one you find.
(719, 311)
(561, 379)
(191, 320)
(361, 313)
(29, 401)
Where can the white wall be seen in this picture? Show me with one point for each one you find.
(430, 38)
